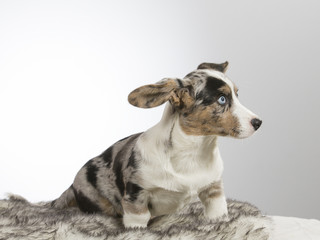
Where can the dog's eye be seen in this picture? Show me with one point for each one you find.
(222, 100)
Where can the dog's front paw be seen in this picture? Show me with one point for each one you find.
(131, 220)
(216, 209)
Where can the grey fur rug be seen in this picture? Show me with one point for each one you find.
(20, 219)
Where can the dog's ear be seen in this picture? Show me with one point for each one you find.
(222, 67)
(183, 98)
(154, 95)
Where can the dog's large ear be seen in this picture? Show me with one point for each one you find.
(222, 67)
(154, 95)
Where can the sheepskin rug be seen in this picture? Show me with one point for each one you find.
(20, 219)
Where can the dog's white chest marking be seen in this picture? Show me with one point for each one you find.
(179, 171)
(195, 175)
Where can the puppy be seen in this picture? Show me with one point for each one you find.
(158, 171)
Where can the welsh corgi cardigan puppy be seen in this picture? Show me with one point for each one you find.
(158, 171)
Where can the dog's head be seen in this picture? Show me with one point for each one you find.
(206, 101)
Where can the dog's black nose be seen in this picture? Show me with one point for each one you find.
(256, 123)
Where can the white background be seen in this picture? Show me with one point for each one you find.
(66, 68)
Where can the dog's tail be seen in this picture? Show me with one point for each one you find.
(67, 199)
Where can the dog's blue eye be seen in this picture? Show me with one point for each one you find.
(222, 100)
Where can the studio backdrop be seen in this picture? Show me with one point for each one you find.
(67, 67)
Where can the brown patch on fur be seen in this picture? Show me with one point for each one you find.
(107, 207)
(214, 119)
(226, 90)
(129, 207)
(182, 99)
(209, 120)
(214, 190)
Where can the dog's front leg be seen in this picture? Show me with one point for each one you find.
(214, 200)
(135, 213)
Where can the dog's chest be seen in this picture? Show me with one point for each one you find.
(181, 171)
(173, 182)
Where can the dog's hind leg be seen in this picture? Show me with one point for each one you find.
(135, 215)
(135, 207)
